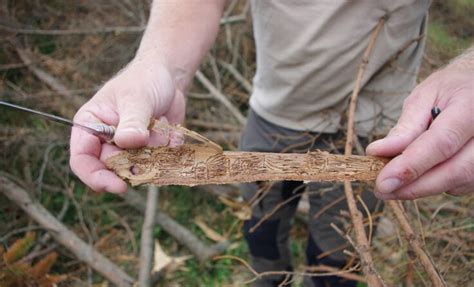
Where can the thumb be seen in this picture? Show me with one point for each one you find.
(414, 120)
(132, 130)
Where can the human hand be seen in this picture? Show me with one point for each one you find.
(142, 91)
(431, 157)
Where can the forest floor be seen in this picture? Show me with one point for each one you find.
(34, 152)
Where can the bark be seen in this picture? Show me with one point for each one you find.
(193, 164)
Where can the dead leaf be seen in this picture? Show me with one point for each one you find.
(209, 232)
(163, 261)
(232, 203)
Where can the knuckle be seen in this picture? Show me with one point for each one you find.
(411, 194)
(448, 143)
(400, 128)
(463, 173)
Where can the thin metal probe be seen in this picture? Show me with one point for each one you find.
(104, 131)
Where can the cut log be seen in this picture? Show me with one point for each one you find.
(193, 164)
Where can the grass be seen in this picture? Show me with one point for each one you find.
(444, 43)
(448, 34)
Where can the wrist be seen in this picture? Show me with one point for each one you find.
(156, 57)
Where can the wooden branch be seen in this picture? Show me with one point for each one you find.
(238, 76)
(425, 260)
(146, 242)
(47, 78)
(176, 230)
(373, 279)
(220, 97)
(193, 164)
(63, 235)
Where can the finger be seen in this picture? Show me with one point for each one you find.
(163, 136)
(132, 130)
(159, 136)
(454, 176)
(446, 136)
(85, 163)
(85, 153)
(109, 150)
(176, 112)
(414, 120)
(464, 190)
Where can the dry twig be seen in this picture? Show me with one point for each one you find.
(425, 260)
(146, 243)
(176, 230)
(220, 97)
(373, 279)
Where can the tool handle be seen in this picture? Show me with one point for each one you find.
(103, 131)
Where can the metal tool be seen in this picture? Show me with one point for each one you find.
(100, 130)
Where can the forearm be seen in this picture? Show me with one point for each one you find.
(179, 33)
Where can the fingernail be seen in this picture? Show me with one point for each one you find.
(389, 185)
(374, 145)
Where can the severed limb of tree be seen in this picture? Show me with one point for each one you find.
(47, 78)
(220, 97)
(362, 246)
(415, 243)
(146, 242)
(176, 230)
(195, 164)
(84, 252)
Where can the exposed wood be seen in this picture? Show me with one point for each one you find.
(193, 164)
(84, 252)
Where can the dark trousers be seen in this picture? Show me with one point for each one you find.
(269, 242)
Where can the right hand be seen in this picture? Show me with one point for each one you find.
(140, 92)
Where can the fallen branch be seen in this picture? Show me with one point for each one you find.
(63, 235)
(176, 230)
(206, 163)
(192, 164)
(238, 76)
(418, 249)
(146, 243)
(48, 79)
(220, 97)
(373, 278)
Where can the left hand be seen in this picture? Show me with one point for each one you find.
(431, 157)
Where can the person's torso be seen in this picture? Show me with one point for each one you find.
(308, 53)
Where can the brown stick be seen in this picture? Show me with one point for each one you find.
(47, 78)
(425, 260)
(220, 97)
(373, 279)
(192, 164)
(146, 242)
(176, 230)
(64, 236)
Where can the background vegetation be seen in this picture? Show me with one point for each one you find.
(34, 152)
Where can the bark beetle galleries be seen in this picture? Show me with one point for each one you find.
(193, 164)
